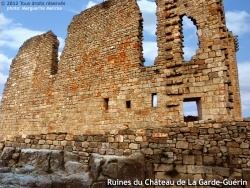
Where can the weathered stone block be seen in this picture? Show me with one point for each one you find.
(244, 145)
(15, 156)
(138, 139)
(193, 169)
(163, 167)
(37, 158)
(69, 156)
(127, 152)
(214, 150)
(134, 146)
(110, 151)
(7, 153)
(246, 174)
(51, 136)
(188, 159)
(119, 138)
(123, 145)
(132, 168)
(208, 160)
(61, 137)
(111, 170)
(235, 151)
(79, 138)
(147, 151)
(182, 144)
(221, 171)
(233, 144)
(119, 152)
(27, 141)
(41, 142)
(56, 160)
(181, 168)
(75, 167)
(69, 137)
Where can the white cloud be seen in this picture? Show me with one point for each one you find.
(189, 51)
(4, 68)
(149, 52)
(62, 43)
(3, 78)
(190, 38)
(4, 62)
(13, 35)
(91, 4)
(238, 22)
(148, 10)
(189, 29)
(147, 6)
(188, 23)
(4, 21)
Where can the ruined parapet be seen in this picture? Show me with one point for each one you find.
(210, 78)
(28, 81)
(104, 40)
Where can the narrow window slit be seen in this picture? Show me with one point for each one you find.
(106, 103)
(154, 100)
(149, 27)
(128, 104)
(190, 41)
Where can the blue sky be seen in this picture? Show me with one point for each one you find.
(16, 26)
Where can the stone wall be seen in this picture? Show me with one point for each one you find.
(194, 151)
(100, 83)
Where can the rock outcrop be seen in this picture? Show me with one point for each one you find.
(54, 168)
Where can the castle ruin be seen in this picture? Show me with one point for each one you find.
(100, 98)
(100, 83)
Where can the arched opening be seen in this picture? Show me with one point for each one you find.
(190, 42)
(150, 50)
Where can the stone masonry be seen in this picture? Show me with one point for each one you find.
(213, 150)
(99, 112)
(100, 83)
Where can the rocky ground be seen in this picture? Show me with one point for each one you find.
(57, 169)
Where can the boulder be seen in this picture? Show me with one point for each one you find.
(39, 158)
(56, 160)
(7, 153)
(75, 167)
(69, 156)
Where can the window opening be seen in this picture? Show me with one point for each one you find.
(190, 42)
(154, 100)
(128, 104)
(192, 109)
(106, 103)
(148, 9)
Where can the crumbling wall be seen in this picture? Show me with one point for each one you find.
(208, 78)
(100, 83)
(25, 100)
(208, 151)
